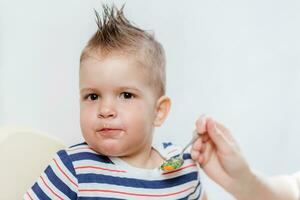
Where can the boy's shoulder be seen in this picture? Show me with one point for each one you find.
(82, 152)
(79, 148)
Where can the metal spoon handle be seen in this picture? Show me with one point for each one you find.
(195, 137)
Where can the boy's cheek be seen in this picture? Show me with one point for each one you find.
(87, 118)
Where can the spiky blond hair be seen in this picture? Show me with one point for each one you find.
(116, 34)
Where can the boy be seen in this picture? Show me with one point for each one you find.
(122, 90)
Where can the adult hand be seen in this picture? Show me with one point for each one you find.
(219, 156)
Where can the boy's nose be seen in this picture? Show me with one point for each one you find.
(106, 112)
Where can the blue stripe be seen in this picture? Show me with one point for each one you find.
(39, 192)
(90, 156)
(80, 144)
(59, 184)
(137, 183)
(65, 158)
(187, 156)
(166, 144)
(184, 198)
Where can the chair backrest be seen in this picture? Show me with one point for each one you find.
(24, 154)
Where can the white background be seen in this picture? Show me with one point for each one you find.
(237, 61)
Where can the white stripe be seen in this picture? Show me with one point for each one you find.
(80, 149)
(80, 163)
(102, 172)
(101, 168)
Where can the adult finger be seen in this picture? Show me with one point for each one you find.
(218, 137)
(201, 124)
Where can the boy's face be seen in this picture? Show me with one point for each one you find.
(117, 105)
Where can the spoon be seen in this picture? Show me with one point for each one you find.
(176, 162)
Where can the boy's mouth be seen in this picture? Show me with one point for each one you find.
(110, 132)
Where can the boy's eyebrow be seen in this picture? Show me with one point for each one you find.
(86, 90)
(129, 88)
(83, 90)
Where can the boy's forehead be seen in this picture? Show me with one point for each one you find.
(111, 59)
(124, 62)
(113, 69)
(126, 69)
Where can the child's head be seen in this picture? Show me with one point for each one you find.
(117, 36)
(122, 86)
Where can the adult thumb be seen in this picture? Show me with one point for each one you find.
(218, 137)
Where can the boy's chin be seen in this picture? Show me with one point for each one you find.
(111, 151)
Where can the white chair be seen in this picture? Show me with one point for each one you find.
(24, 154)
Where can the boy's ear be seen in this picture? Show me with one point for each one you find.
(162, 109)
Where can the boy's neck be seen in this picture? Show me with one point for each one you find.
(149, 158)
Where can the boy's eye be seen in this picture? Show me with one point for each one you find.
(127, 95)
(92, 97)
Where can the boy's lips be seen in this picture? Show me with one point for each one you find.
(110, 132)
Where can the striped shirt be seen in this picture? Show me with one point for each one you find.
(81, 173)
